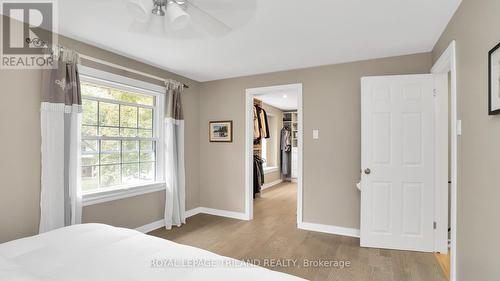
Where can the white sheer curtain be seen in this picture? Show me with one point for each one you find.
(60, 114)
(174, 157)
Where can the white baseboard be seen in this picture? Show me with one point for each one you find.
(192, 212)
(223, 213)
(338, 230)
(189, 213)
(216, 212)
(151, 226)
(271, 184)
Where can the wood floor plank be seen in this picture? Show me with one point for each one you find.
(444, 263)
(273, 234)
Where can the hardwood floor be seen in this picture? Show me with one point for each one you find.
(444, 263)
(273, 234)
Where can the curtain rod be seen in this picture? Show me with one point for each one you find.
(99, 61)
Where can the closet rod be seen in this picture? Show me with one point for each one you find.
(99, 61)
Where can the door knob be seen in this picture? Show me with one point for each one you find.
(367, 171)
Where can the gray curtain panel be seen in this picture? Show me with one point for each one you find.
(60, 113)
(174, 156)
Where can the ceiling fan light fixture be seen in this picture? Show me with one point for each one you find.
(177, 17)
(158, 10)
(140, 9)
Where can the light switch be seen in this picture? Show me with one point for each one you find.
(459, 127)
(316, 134)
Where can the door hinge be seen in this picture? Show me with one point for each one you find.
(434, 225)
(434, 92)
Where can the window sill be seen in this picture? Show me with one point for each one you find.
(268, 170)
(120, 193)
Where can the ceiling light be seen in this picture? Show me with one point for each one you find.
(157, 10)
(285, 96)
(156, 26)
(177, 17)
(140, 9)
(174, 15)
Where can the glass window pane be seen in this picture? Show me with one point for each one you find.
(89, 131)
(132, 97)
(110, 152)
(147, 156)
(107, 163)
(90, 146)
(146, 145)
(130, 173)
(109, 132)
(90, 178)
(110, 146)
(90, 152)
(128, 116)
(110, 157)
(128, 146)
(125, 132)
(89, 112)
(130, 152)
(145, 133)
(145, 118)
(92, 90)
(90, 159)
(110, 175)
(130, 157)
(147, 171)
(109, 114)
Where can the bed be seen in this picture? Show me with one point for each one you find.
(98, 252)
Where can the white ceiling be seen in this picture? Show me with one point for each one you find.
(268, 35)
(282, 99)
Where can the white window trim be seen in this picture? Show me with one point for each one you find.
(120, 193)
(92, 75)
(268, 170)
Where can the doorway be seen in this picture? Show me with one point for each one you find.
(446, 203)
(279, 100)
(396, 195)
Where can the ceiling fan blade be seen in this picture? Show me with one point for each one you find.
(206, 21)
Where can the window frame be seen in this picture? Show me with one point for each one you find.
(107, 79)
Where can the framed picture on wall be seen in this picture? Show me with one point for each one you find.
(220, 131)
(494, 81)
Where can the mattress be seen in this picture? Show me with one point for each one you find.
(98, 252)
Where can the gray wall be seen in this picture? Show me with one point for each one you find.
(20, 152)
(476, 29)
(331, 103)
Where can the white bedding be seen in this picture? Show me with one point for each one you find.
(97, 252)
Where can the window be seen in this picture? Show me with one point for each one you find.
(120, 136)
(264, 151)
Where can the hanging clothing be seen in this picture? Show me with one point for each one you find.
(258, 174)
(286, 139)
(175, 191)
(260, 124)
(286, 149)
(264, 126)
(256, 126)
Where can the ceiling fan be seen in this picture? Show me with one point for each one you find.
(176, 15)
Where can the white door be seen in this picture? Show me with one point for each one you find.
(397, 158)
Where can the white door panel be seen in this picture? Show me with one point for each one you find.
(397, 197)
